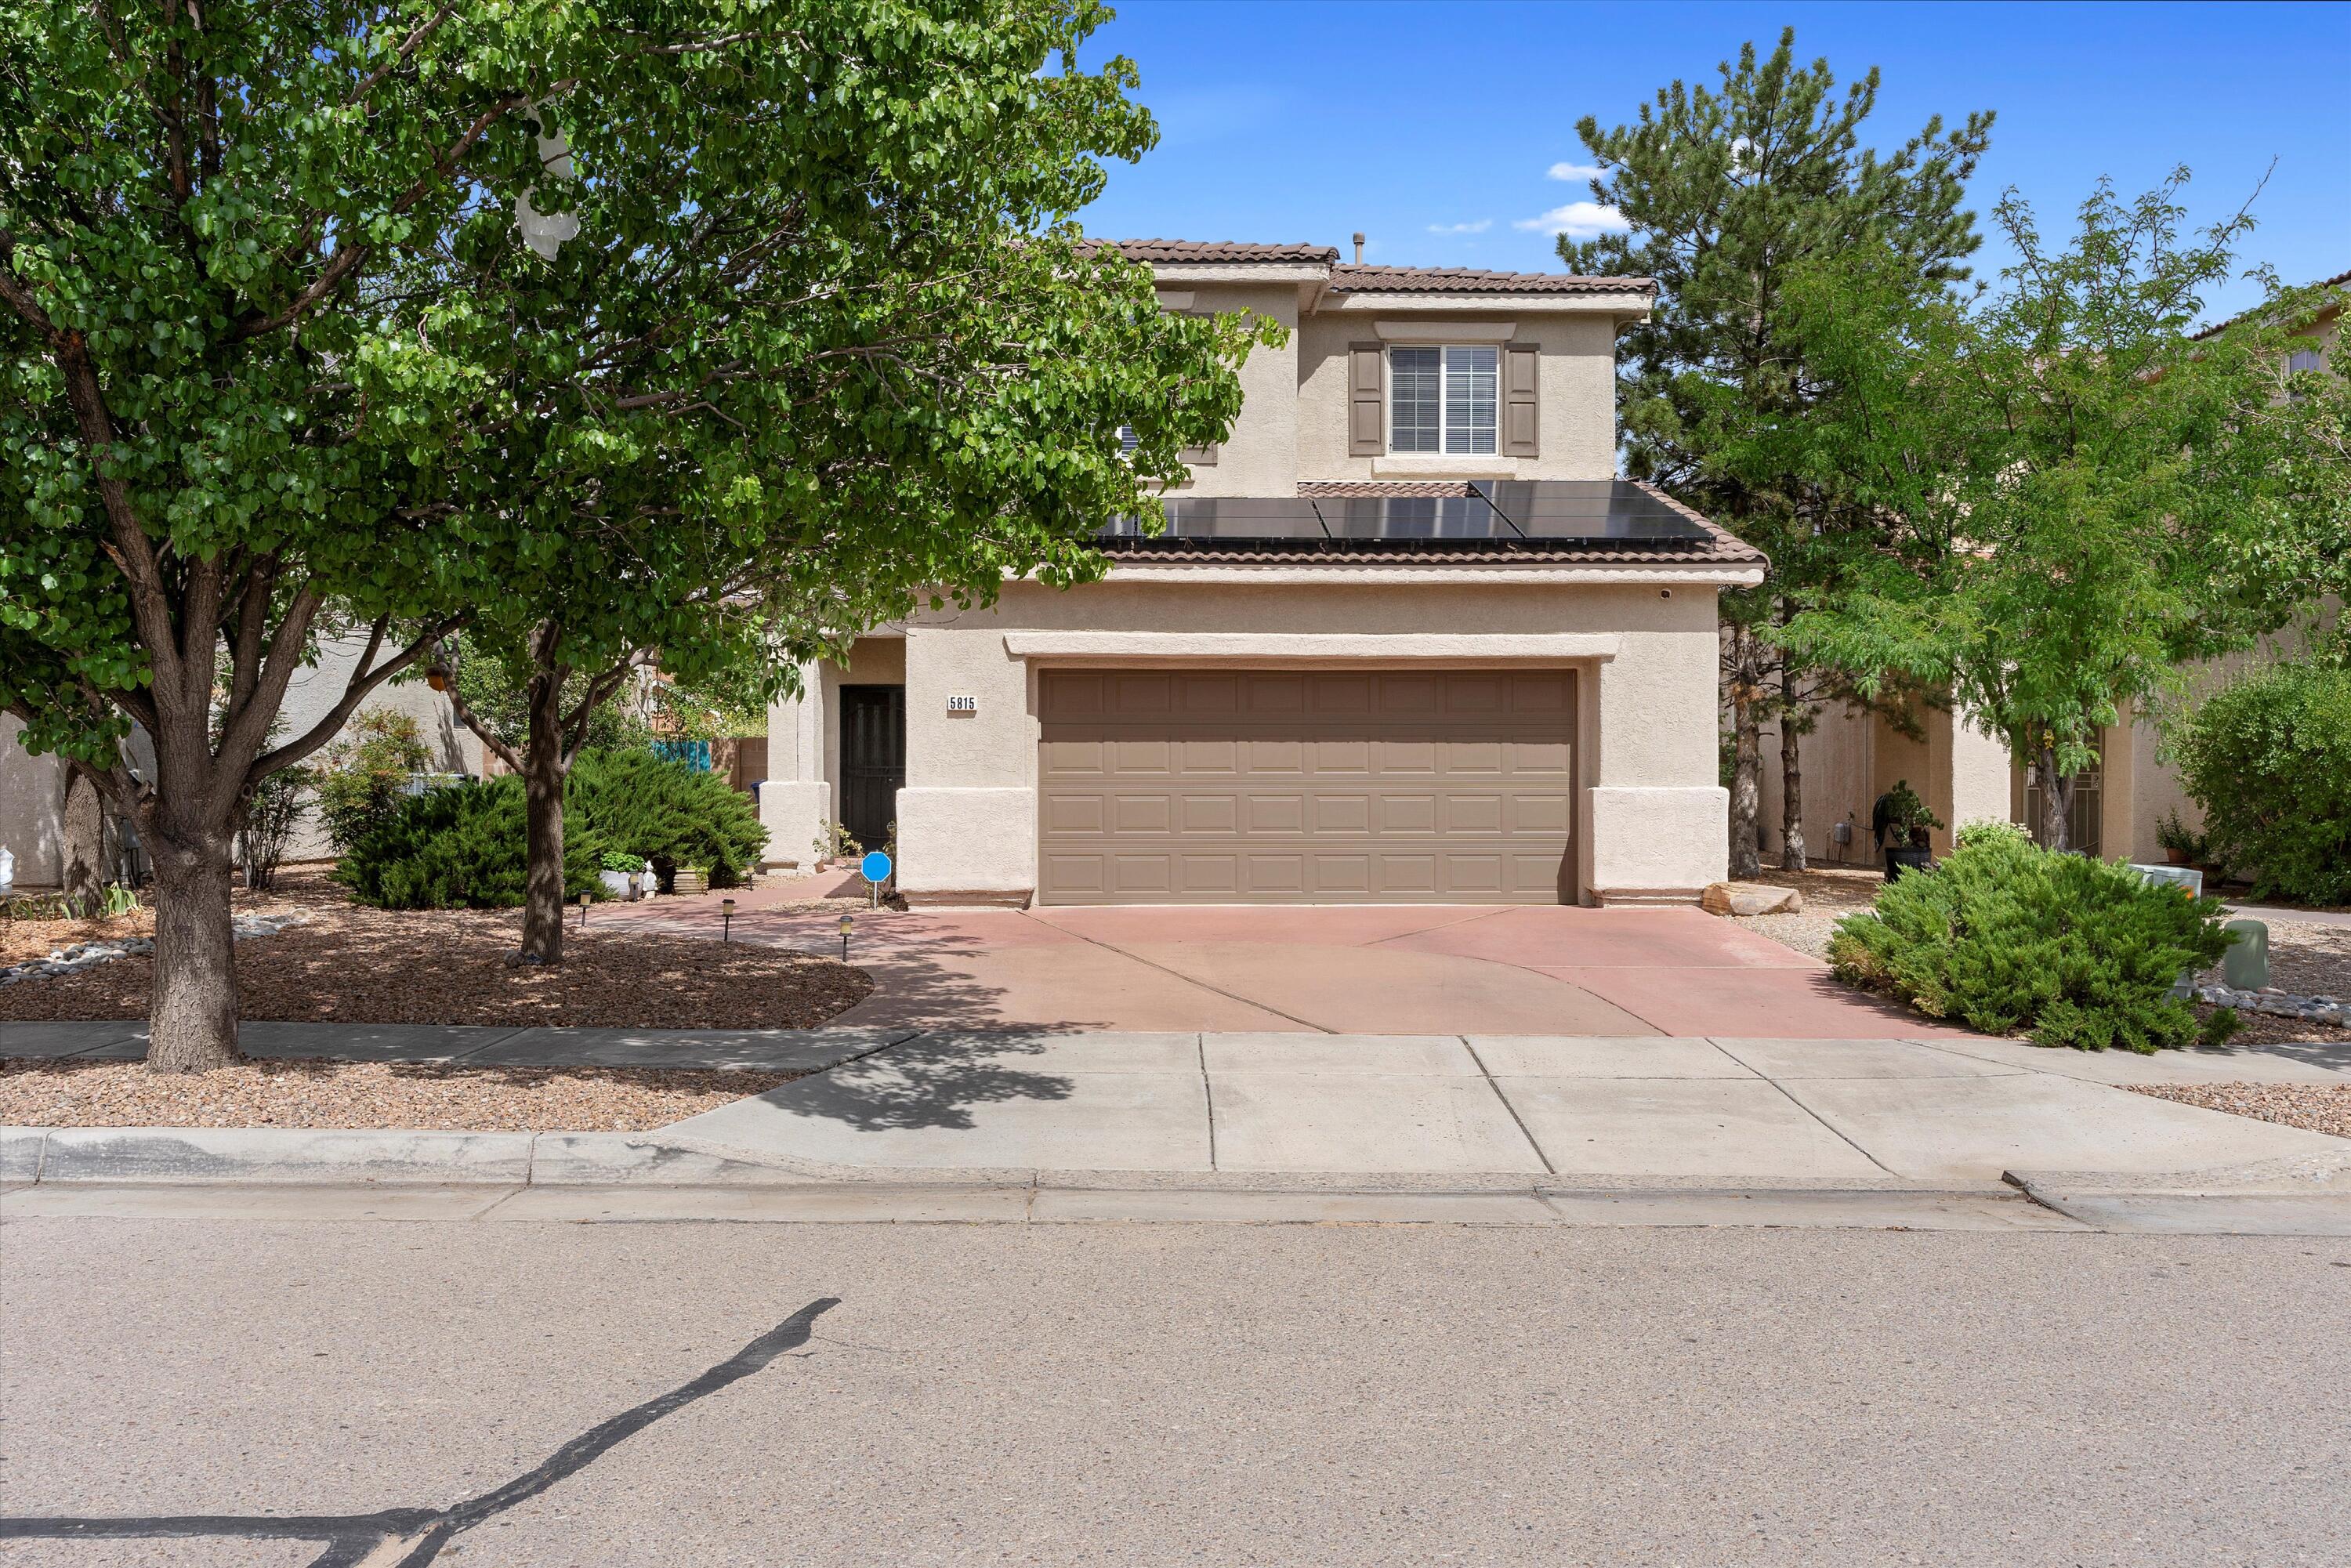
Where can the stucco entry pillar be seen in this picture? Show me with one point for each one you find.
(967, 814)
(796, 801)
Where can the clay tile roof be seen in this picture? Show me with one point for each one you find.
(1214, 252)
(1347, 279)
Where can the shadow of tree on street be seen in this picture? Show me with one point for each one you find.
(351, 1539)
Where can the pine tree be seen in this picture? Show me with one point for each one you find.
(1725, 192)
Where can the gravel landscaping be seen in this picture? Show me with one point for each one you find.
(1830, 894)
(351, 1095)
(346, 963)
(2318, 1107)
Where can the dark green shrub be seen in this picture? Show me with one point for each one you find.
(461, 846)
(368, 774)
(2012, 938)
(642, 805)
(2269, 758)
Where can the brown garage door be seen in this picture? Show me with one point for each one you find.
(1207, 787)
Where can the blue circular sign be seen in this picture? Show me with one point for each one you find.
(875, 867)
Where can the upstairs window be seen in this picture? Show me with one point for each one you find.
(1443, 400)
(2305, 359)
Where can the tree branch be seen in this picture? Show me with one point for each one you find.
(363, 681)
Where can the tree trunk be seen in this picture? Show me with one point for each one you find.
(544, 766)
(1747, 759)
(1792, 795)
(192, 1014)
(2056, 797)
(1792, 771)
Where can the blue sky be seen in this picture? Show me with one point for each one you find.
(1432, 127)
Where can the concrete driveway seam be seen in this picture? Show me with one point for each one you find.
(1800, 1104)
(1524, 1131)
(1188, 979)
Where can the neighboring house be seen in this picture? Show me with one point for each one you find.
(51, 821)
(1343, 677)
(1967, 776)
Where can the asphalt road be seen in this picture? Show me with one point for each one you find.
(1162, 1394)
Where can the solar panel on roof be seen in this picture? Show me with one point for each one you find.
(1585, 509)
(1244, 518)
(1368, 517)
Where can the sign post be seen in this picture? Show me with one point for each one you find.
(876, 869)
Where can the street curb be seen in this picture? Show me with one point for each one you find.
(119, 1157)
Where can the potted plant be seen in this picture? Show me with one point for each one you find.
(619, 874)
(1903, 820)
(690, 879)
(2180, 847)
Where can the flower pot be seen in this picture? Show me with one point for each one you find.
(689, 879)
(619, 884)
(2176, 857)
(1900, 861)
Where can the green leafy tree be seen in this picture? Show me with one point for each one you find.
(788, 380)
(208, 439)
(274, 362)
(2073, 498)
(1728, 192)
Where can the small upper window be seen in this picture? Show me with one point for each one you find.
(1127, 440)
(1443, 400)
(2305, 359)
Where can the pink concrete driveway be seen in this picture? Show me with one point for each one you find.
(1344, 969)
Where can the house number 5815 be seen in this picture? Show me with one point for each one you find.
(963, 705)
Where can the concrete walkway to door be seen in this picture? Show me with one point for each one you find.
(1337, 969)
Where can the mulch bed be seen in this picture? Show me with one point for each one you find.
(349, 963)
(347, 1094)
(2318, 1107)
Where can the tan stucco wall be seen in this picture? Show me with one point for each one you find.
(1261, 457)
(32, 789)
(1650, 815)
(314, 690)
(1576, 409)
(32, 809)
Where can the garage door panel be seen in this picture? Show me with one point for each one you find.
(1478, 814)
(1211, 754)
(1530, 758)
(1080, 815)
(1274, 874)
(1345, 815)
(1276, 814)
(1217, 814)
(1541, 813)
(1338, 786)
(1148, 814)
(1129, 758)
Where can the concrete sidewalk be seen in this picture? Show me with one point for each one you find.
(1321, 1109)
(1254, 1105)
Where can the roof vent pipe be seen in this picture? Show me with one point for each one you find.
(1359, 248)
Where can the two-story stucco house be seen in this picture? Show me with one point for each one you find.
(1406, 640)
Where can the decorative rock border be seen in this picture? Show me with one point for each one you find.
(82, 954)
(2278, 1004)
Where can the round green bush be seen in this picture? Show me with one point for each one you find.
(2011, 938)
(2269, 759)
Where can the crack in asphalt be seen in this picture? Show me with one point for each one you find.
(414, 1537)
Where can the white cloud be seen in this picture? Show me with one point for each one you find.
(1574, 172)
(1481, 226)
(1577, 220)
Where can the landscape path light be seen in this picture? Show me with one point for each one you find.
(848, 924)
(727, 914)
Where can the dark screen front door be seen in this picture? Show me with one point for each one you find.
(873, 760)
